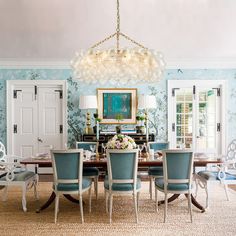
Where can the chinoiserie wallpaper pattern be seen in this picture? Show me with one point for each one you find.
(158, 116)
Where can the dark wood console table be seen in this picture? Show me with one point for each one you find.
(103, 138)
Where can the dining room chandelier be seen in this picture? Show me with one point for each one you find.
(118, 65)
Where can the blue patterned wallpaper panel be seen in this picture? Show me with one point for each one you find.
(158, 117)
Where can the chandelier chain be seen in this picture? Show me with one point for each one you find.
(118, 26)
(104, 40)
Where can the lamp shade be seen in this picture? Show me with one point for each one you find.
(146, 101)
(88, 102)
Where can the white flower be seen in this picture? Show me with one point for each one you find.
(121, 141)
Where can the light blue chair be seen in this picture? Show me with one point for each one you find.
(122, 178)
(90, 172)
(177, 179)
(68, 176)
(155, 171)
(223, 173)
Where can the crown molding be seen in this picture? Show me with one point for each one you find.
(171, 63)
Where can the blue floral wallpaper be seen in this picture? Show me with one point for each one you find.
(158, 117)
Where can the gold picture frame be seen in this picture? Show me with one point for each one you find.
(114, 102)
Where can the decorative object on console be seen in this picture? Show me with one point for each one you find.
(118, 65)
(146, 102)
(140, 126)
(121, 141)
(88, 102)
(119, 117)
(96, 128)
(113, 102)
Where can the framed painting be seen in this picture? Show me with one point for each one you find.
(117, 105)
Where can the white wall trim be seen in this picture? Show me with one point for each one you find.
(171, 63)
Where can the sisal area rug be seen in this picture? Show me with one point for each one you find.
(220, 219)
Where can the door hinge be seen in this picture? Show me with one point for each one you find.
(61, 129)
(15, 129)
(173, 127)
(35, 92)
(173, 91)
(217, 91)
(194, 90)
(60, 93)
(218, 127)
(15, 92)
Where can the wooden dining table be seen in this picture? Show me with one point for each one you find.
(100, 162)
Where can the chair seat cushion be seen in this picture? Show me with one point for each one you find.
(213, 175)
(74, 187)
(21, 176)
(122, 187)
(90, 171)
(155, 171)
(175, 187)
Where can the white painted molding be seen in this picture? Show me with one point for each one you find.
(172, 63)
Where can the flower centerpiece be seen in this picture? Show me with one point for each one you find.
(121, 141)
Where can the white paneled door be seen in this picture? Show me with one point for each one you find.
(36, 116)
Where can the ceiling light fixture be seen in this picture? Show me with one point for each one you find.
(118, 65)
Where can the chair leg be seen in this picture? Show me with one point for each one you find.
(4, 195)
(138, 195)
(196, 184)
(81, 208)
(135, 207)
(90, 199)
(165, 212)
(150, 186)
(96, 186)
(190, 207)
(56, 207)
(207, 195)
(156, 199)
(110, 207)
(36, 194)
(24, 197)
(106, 199)
(226, 191)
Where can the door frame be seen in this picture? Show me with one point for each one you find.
(223, 84)
(9, 93)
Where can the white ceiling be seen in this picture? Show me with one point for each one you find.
(55, 29)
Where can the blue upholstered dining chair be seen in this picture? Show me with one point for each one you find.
(68, 176)
(90, 172)
(155, 171)
(177, 176)
(12, 173)
(223, 173)
(122, 178)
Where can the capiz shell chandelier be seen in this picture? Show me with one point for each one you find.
(118, 65)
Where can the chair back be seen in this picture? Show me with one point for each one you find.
(177, 167)
(86, 145)
(231, 151)
(158, 146)
(122, 166)
(67, 166)
(2, 152)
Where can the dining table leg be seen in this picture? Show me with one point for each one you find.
(170, 199)
(47, 203)
(193, 200)
(51, 200)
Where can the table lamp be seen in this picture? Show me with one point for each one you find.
(88, 102)
(146, 102)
